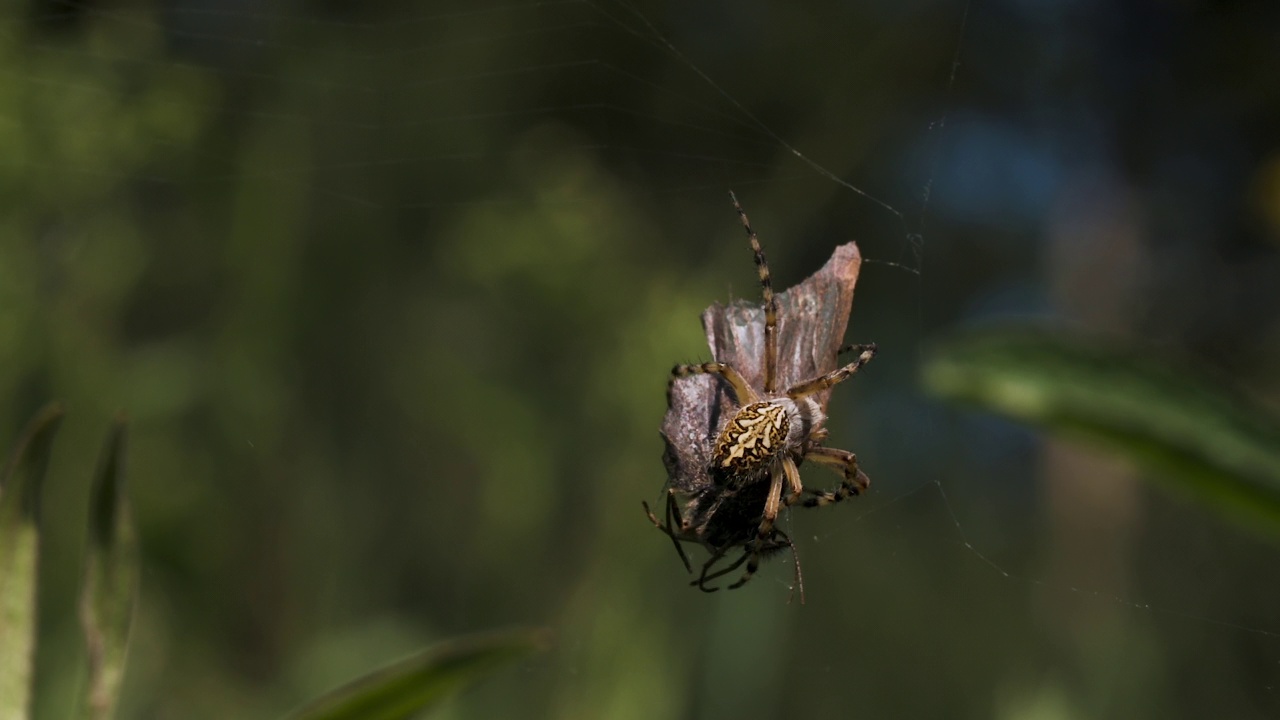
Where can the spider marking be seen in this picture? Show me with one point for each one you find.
(752, 437)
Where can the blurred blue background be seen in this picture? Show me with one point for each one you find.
(390, 291)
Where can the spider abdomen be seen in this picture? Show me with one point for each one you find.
(752, 437)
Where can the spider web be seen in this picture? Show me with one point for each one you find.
(437, 130)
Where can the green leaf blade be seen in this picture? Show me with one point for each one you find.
(20, 486)
(110, 589)
(411, 685)
(1199, 437)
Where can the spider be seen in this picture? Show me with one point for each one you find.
(756, 455)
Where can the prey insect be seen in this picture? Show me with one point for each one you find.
(734, 462)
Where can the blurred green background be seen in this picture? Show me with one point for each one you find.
(390, 291)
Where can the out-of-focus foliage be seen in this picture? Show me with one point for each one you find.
(390, 291)
(1192, 434)
(420, 682)
(110, 592)
(110, 581)
(21, 481)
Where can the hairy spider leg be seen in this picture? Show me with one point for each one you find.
(757, 550)
(745, 395)
(817, 385)
(773, 501)
(784, 469)
(703, 577)
(770, 304)
(792, 474)
(842, 461)
(795, 559)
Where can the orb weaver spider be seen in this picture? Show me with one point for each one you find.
(733, 488)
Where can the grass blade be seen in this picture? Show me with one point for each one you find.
(1197, 436)
(110, 588)
(20, 484)
(409, 686)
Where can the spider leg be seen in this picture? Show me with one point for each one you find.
(809, 387)
(842, 461)
(816, 437)
(792, 474)
(773, 501)
(756, 551)
(745, 395)
(752, 567)
(673, 508)
(795, 559)
(675, 540)
(704, 577)
(770, 303)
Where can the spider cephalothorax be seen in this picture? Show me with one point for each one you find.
(732, 500)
